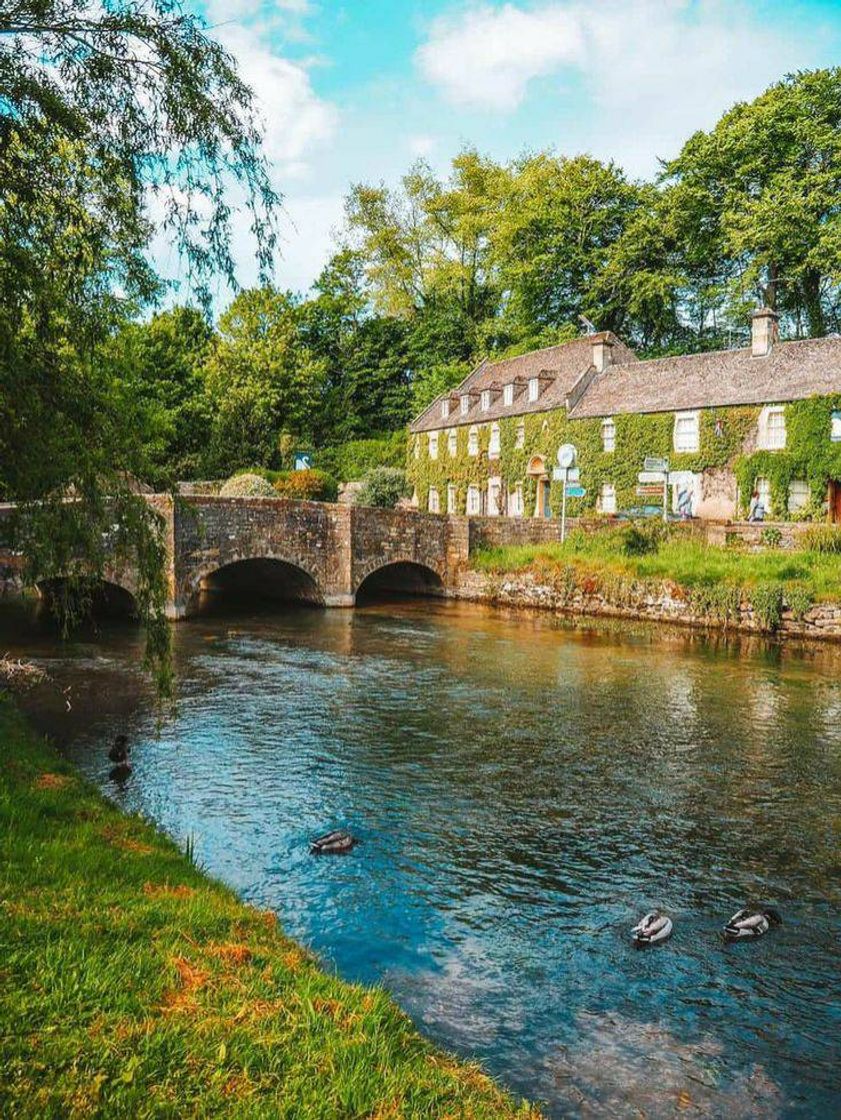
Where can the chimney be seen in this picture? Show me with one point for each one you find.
(764, 326)
(602, 345)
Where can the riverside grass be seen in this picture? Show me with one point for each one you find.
(690, 563)
(131, 985)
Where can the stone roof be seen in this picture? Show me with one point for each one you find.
(791, 371)
(562, 366)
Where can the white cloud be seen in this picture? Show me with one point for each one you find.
(487, 56)
(421, 146)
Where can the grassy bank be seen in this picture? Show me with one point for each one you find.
(685, 561)
(133, 986)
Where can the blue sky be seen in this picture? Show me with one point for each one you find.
(356, 91)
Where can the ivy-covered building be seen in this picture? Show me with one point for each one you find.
(764, 418)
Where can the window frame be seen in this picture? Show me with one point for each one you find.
(764, 441)
(474, 491)
(432, 443)
(608, 426)
(452, 442)
(520, 436)
(473, 441)
(692, 416)
(494, 441)
(612, 496)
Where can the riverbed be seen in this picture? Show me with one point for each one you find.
(524, 790)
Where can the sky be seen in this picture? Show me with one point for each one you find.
(355, 91)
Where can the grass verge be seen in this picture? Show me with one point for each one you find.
(687, 562)
(133, 986)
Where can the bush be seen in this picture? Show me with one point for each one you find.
(306, 486)
(771, 537)
(799, 599)
(247, 486)
(642, 539)
(767, 602)
(384, 487)
(823, 538)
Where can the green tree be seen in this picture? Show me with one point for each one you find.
(262, 379)
(755, 204)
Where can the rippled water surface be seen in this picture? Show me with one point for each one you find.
(523, 792)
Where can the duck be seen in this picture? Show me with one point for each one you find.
(654, 927)
(336, 842)
(752, 921)
(119, 752)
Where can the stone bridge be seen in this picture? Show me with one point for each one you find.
(310, 551)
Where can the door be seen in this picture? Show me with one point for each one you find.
(835, 501)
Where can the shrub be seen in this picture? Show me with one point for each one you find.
(767, 602)
(799, 599)
(306, 486)
(823, 538)
(642, 539)
(384, 487)
(771, 537)
(247, 486)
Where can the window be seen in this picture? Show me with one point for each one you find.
(607, 503)
(494, 497)
(763, 489)
(515, 501)
(520, 440)
(508, 396)
(474, 500)
(465, 404)
(534, 388)
(445, 407)
(417, 447)
(772, 428)
(608, 434)
(493, 446)
(686, 431)
(433, 445)
(486, 400)
(799, 495)
(836, 427)
(452, 443)
(473, 441)
(452, 498)
(433, 505)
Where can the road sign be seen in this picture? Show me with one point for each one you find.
(650, 491)
(652, 477)
(652, 464)
(559, 474)
(575, 491)
(566, 455)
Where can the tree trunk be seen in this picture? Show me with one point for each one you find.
(812, 303)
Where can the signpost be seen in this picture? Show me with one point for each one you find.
(566, 462)
(654, 480)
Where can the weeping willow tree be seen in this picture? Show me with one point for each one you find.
(117, 122)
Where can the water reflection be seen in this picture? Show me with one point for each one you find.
(523, 791)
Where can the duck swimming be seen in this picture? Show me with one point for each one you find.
(336, 842)
(652, 928)
(119, 752)
(751, 922)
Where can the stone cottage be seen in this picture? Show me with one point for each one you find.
(764, 419)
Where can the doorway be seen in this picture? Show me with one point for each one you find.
(834, 501)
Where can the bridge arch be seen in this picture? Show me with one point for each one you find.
(261, 578)
(399, 576)
(108, 597)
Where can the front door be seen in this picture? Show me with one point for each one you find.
(835, 501)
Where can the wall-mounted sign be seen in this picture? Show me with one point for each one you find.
(302, 461)
(652, 464)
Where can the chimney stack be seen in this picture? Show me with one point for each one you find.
(765, 331)
(602, 345)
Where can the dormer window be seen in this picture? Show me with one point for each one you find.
(486, 400)
(445, 408)
(508, 395)
(772, 428)
(534, 388)
(465, 404)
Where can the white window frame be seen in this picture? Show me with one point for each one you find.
(452, 442)
(494, 443)
(452, 497)
(464, 404)
(433, 445)
(445, 408)
(607, 498)
(508, 394)
(608, 434)
(835, 426)
(763, 488)
(693, 443)
(804, 494)
(766, 441)
(474, 500)
(433, 501)
(516, 504)
(473, 441)
(485, 400)
(534, 388)
(520, 438)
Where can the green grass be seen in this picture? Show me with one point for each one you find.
(133, 986)
(686, 561)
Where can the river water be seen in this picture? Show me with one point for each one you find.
(523, 791)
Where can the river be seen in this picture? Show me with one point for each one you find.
(523, 791)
